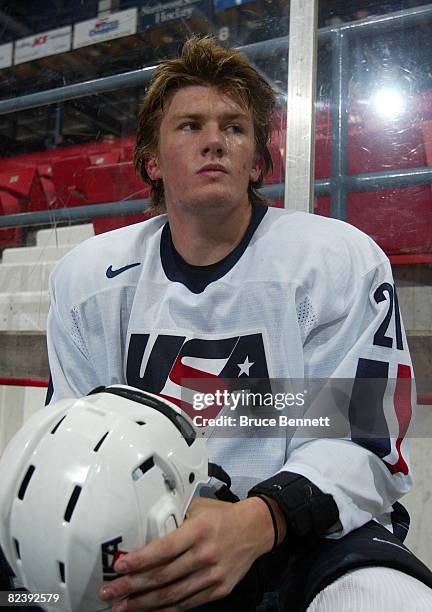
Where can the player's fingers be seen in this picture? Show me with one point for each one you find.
(155, 578)
(164, 549)
(156, 553)
(206, 581)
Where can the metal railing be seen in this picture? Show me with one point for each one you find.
(337, 186)
(92, 211)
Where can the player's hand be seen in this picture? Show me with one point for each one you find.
(199, 562)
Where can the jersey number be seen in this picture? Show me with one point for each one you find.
(380, 338)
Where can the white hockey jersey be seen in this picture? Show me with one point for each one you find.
(300, 296)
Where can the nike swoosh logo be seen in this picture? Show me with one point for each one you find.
(113, 273)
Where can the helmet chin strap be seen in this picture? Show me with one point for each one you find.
(224, 493)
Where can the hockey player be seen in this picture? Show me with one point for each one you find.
(220, 286)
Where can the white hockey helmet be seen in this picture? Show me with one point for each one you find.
(85, 480)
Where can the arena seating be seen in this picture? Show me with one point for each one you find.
(58, 179)
(112, 182)
(48, 187)
(398, 219)
(68, 177)
(18, 190)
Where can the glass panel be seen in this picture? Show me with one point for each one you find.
(337, 12)
(373, 121)
(387, 81)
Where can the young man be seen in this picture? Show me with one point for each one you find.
(225, 288)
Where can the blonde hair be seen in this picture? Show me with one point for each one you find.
(204, 62)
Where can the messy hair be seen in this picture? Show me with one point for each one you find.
(204, 62)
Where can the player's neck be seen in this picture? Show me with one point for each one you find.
(204, 240)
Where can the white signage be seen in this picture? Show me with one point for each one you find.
(155, 14)
(6, 55)
(43, 44)
(115, 25)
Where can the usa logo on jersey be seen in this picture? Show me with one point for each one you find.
(162, 363)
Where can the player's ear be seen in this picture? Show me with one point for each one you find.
(152, 167)
(257, 168)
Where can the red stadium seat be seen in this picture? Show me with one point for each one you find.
(17, 191)
(383, 148)
(130, 185)
(398, 219)
(99, 184)
(21, 190)
(47, 184)
(66, 174)
(113, 182)
(103, 159)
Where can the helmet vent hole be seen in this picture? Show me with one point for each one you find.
(140, 422)
(99, 444)
(58, 425)
(72, 503)
(191, 477)
(142, 469)
(25, 482)
(17, 548)
(62, 571)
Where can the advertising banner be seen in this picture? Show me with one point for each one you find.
(6, 55)
(162, 12)
(43, 44)
(97, 30)
(221, 5)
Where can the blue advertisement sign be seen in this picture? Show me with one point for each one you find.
(221, 5)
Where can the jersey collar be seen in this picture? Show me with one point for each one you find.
(197, 278)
